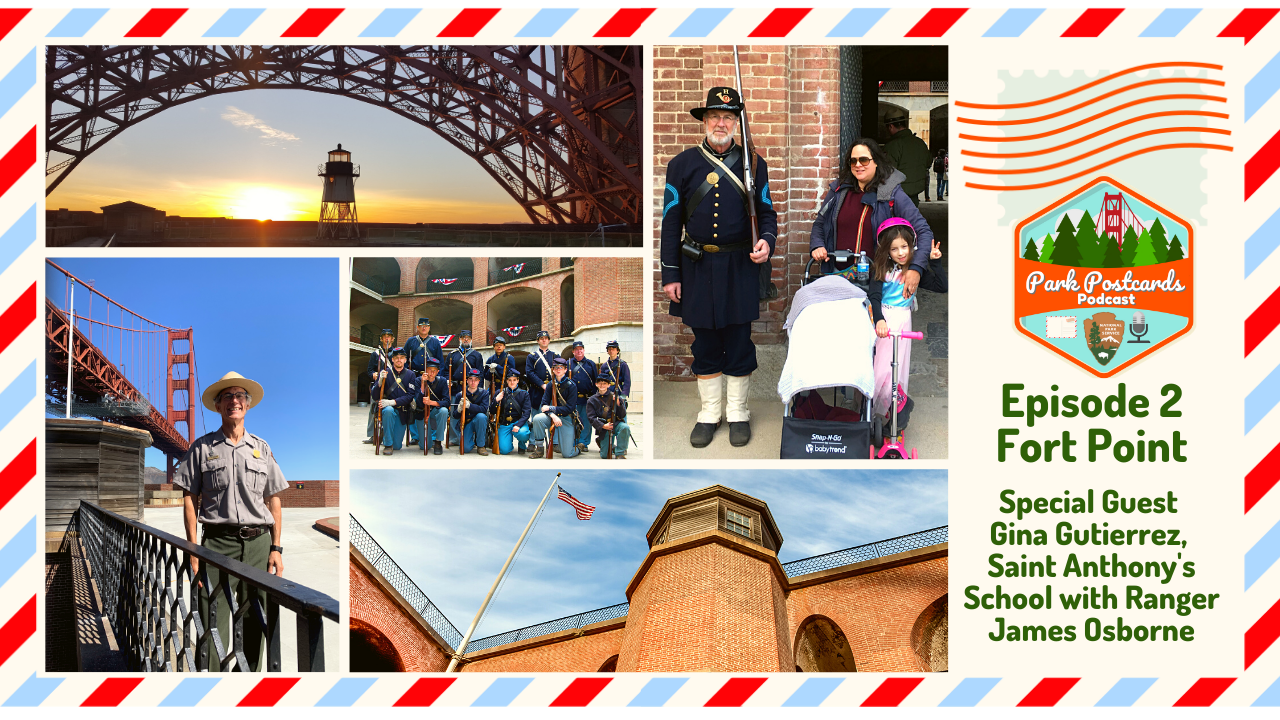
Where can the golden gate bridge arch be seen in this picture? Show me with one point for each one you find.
(557, 126)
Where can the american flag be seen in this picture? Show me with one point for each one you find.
(444, 281)
(518, 267)
(584, 510)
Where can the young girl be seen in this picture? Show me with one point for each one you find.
(895, 245)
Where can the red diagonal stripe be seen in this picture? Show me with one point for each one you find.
(17, 317)
(15, 632)
(9, 18)
(936, 22)
(625, 22)
(17, 161)
(1204, 692)
(1261, 636)
(1261, 166)
(468, 22)
(1092, 22)
(1261, 322)
(268, 692)
(580, 692)
(1048, 692)
(734, 692)
(17, 473)
(891, 692)
(156, 22)
(1248, 23)
(312, 22)
(424, 692)
(780, 22)
(1261, 478)
(111, 692)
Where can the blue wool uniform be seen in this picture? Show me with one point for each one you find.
(437, 391)
(583, 374)
(721, 289)
(535, 373)
(379, 359)
(621, 374)
(561, 405)
(455, 363)
(403, 389)
(496, 375)
(513, 413)
(419, 350)
(474, 433)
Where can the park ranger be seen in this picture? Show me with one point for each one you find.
(710, 266)
(230, 484)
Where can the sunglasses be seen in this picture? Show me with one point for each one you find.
(863, 161)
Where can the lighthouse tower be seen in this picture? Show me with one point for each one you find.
(338, 197)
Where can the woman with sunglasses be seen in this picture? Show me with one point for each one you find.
(867, 193)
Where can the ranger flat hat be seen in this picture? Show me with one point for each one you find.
(720, 98)
(232, 379)
(895, 117)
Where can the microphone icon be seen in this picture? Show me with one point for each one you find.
(1138, 326)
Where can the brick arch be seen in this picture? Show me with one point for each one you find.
(929, 636)
(371, 607)
(516, 305)
(821, 646)
(610, 665)
(372, 651)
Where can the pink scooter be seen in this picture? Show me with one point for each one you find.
(893, 449)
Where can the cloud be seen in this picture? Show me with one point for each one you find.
(240, 118)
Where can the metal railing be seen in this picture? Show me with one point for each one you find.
(572, 622)
(382, 286)
(870, 551)
(894, 86)
(500, 238)
(938, 86)
(425, 285)
(398, 579)
(153, 600)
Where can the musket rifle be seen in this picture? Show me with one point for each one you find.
(377, 412)
(498, 410)
(462, 408)
(613, 420)
(426, 412)
(555, 403)
(448, 386)
(748, 171)
(617, 385)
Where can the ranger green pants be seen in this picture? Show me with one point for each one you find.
(253, 552)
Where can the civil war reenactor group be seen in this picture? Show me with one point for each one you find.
(554, 406)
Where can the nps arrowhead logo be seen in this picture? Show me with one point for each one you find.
(1103, 277)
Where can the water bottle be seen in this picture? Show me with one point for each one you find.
(863, 271)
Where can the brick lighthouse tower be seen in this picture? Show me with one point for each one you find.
(338, 198)
(709, 595)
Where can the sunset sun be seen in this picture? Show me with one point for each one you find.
(265, 203)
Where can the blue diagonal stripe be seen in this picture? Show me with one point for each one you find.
(390, 22)
(233, 22)
(1013, 22)
(1261, 556)
(969, 692)
(657, 692)
(1262, 243)
(502, 692)
(18, 395)
(1269, 697)
(77, 22)
(346, 691)
(17, 238)
(546, 23)
(19, 80)
(857, 22)
(1127, 691)
(812, 692)
(17, 551)
(189, 692)
(1261, 399)
(701, 22)
(33, 692)
(1168, 24)
(1261, 87)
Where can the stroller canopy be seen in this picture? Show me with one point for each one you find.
(831, 340)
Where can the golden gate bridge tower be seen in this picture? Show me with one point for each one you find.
(338, 198)
(1117, 217)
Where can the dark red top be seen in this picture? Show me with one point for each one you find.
(854, 230)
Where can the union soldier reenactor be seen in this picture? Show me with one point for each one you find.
(236, 478)
(583, 373)
(710, 267)
(379, 359)
(475, 403)
(606, 413)
(464, 358)
(618, 371)
(511, 407)
(559, 401)
(433, 407)
(537, 371)
(500, 357)
(399, 393)
(420, 347)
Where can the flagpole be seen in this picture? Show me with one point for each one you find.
(453, 663)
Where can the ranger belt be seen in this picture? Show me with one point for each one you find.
(244, 532)
(714, 248)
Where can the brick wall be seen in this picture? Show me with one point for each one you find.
(370, 605)
(608, 290)
(573, 654)
(314, 493)
(792, 95)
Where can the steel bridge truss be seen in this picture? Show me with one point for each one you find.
(558, 127)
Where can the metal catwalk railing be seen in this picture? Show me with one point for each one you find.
(153, 600)
(573, 622)
(870, 551)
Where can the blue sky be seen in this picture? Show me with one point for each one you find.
(272, 320)
(247, 153)
(451, 532)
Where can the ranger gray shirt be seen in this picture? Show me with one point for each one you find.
(233, 481)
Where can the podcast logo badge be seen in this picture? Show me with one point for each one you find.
(1103, 277)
